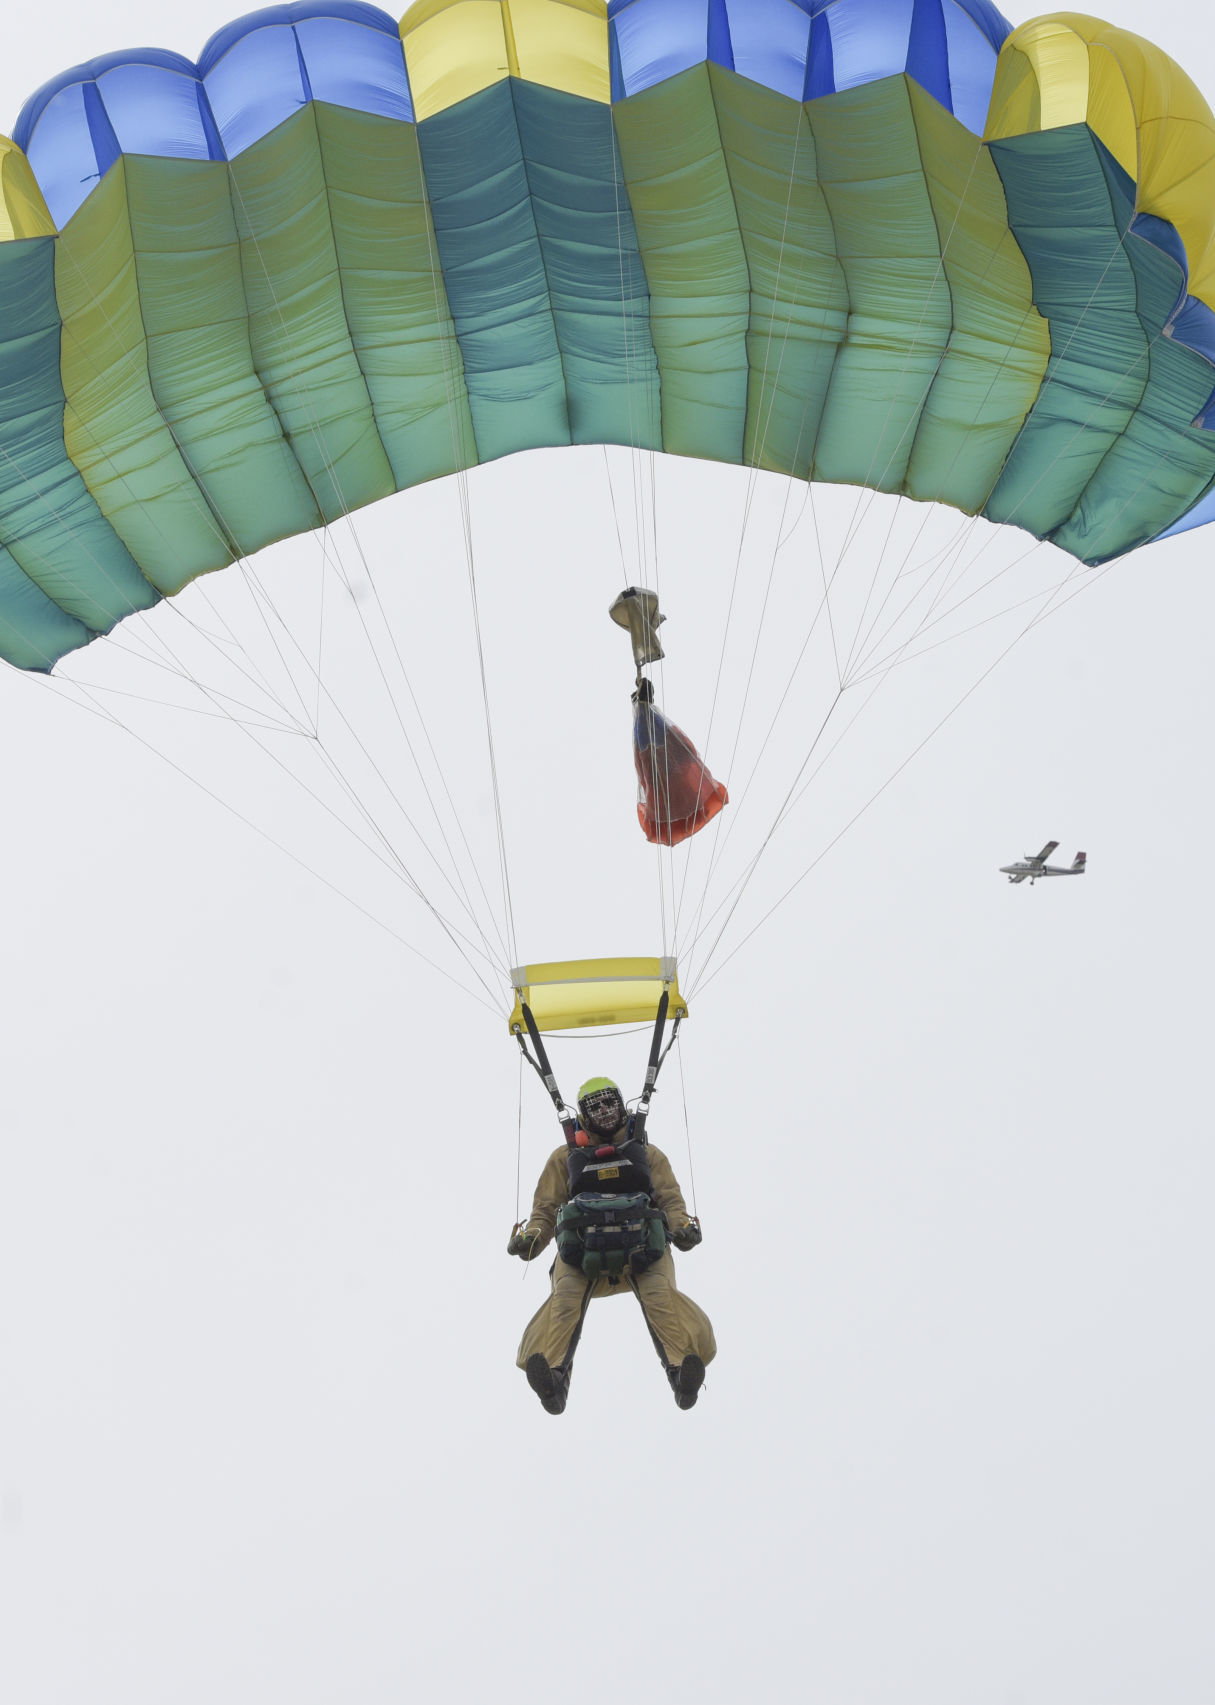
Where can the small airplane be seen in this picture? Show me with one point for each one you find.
(1037, 866)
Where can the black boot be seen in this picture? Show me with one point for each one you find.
(551, 1384)
(686, 1381)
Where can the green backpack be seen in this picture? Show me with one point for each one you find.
(605, 1234)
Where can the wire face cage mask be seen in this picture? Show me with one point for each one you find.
(602, 1111)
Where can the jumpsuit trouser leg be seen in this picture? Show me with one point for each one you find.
(678, 1326)
(553, 1331)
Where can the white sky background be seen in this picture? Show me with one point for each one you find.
(261, 1434)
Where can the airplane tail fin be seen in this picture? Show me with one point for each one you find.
(1080, 860)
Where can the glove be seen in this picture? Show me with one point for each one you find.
(688, 1236)
(524, 1244)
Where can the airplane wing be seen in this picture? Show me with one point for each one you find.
(1047, 850)
(1017, 875)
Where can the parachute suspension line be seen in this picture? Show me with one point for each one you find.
(841, 688)
(767, 408)
(895, 661)
(152, 639)
(61, 686)
(687, 1131)
(390, 858)
(665, 905)
(461, 474)
(953, 575)
(1144, 355)
(780, 538)
(156, 643)
(938, 564)
(861, 642)
(607, 468)
(662, 900)
(643, 412)
(239, 647)
(343, 576)
(824, 607)
(720, 841)
(949, 571)
(1096, 575)
(639, 416)
(310, 717)
(794, 798)
(200, 500)
(721, 658)
(503, 864)
(896, 388)
(519, 1148)
(335, 770)
(938, 597)
(866, 498)
(1046, 600)
(1050, 380)
(881, 559)
(320, 622)
(628, 336)
(704, 980)
(743, 880)
(462, 454)
(455, 865)
(1051, 603)
(331, 470)
(794, 795)
(227, 538)
(104, 690)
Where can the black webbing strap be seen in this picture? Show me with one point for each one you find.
(653, 1068)
(543, 1070)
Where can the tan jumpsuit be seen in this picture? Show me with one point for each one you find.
(677, 1325)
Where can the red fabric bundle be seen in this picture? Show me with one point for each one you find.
(676, 793)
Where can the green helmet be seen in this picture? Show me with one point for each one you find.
(601, 1107)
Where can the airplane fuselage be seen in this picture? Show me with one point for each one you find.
(1030, 869)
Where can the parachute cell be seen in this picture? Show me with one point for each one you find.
(890, 243)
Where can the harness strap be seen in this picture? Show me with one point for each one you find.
(653, 1067)
(544, 1072)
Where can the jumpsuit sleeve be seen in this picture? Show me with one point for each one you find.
(667, 1194)
(551, 1191)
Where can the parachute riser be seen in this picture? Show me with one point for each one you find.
(657, 1056)
(544, 1071)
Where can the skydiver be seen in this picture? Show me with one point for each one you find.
(606, 1163)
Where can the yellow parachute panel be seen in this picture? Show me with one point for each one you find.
(23, 213)
(1072, 69)
(456, 48)
(575, 993)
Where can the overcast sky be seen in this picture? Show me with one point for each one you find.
(261, 1433)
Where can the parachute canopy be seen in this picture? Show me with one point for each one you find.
(891, 243)
(577, 993)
